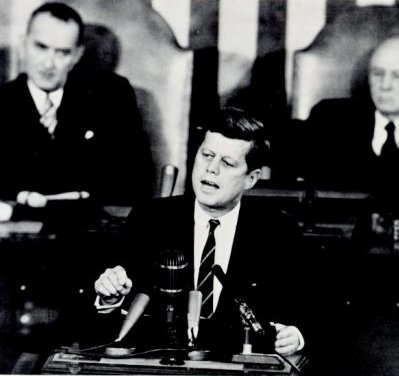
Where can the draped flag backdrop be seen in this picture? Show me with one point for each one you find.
(242, 31)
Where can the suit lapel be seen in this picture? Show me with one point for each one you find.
(369, 123)
(31, 117)
(238, 270)
(26, 101)
(361, 138)
(235, 263)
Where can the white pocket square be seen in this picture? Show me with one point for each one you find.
(89, 135)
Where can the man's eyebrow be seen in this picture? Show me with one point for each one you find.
(66, 49)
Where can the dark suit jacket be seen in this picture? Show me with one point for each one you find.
(264, 267)
(114, 165)
(339, 132)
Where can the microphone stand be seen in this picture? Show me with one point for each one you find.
(274, 360)
(174, 355)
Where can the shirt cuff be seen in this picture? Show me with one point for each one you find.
(107, 308)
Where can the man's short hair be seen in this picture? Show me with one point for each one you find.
(63, 12)
(234, 123)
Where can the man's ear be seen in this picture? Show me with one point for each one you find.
(252, 178)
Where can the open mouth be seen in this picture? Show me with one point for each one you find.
(209, 184)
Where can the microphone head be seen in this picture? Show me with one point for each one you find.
(172, 271)
(136, 310)
(194, 308)
(168, 180)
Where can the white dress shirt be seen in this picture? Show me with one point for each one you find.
(224, 237)
(380, 134)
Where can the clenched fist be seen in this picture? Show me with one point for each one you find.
(113, 284)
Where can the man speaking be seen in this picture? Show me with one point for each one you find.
(253, 244)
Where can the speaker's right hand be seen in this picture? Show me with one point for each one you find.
(113, 284)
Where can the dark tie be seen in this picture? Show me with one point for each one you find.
(49, 115)
(389, 150)
(205, 276)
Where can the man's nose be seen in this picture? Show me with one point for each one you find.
(386, 81)
(49, 59)
(214, 166)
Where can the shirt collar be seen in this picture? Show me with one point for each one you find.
(381, 121)
(201, 218)
(39, 96)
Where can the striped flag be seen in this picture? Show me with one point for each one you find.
(227, 36)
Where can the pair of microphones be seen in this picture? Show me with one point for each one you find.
(172, 269)
(170, 283)
(247, 315)
(140, 303)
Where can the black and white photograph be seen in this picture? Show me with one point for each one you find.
(199, 187)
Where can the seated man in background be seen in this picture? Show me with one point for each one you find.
(353, 141)
(65, 132)
(255, 245)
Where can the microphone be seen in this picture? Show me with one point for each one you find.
(172, 280)
(171, 284)
(136, 310)
(172, 272)
(193, 314)
(168, 180)
(248, 316)
(246, 313)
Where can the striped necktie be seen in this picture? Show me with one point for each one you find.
(49, 115)
(205, 276)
